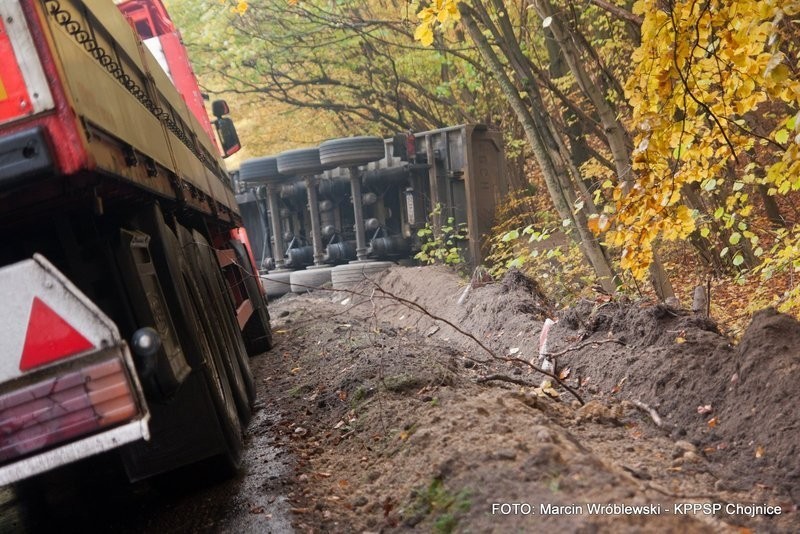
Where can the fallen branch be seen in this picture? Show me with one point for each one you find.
(649, 411)
(421, 309)
(414, 306)
(581, 346)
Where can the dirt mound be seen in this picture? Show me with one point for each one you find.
(504, 315)
(395, 427)
(760, 413)
(390, 435)
(737, 405)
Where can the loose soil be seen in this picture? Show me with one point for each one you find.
(394, 426)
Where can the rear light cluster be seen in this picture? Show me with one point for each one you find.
(14, 99)
(23, 85)
(57, 409)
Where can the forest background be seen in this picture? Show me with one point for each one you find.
(653, 146)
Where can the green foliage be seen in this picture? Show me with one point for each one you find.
(528, 237)
(708, 92)
(550, 257)
(320, 69)
(444, 505)
(442, 246)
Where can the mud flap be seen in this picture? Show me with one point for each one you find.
(163, 376)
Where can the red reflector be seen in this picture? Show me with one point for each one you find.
(49, 338)
(14, 99)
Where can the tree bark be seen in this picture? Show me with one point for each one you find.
(617, 136)
(542, 148)
(507, 41)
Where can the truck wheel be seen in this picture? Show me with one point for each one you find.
(219, 419)
(215, 322)
(276, 283)
(257, 331)
(301, 162)
(348, 275)
(260, 170)
(213, 372)
(351, 151)
(309, 279)
(228, 316)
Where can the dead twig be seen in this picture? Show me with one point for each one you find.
(385, 294)
(649, 411)
(421, 309)
(581, 346)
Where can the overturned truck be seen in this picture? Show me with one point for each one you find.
(353, 206)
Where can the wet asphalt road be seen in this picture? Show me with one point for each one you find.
(94, 496)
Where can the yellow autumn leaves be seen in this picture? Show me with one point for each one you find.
(702, 76)
(242, 6)
(715, 120)
(441, 12)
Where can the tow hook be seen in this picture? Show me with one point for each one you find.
(146, 343)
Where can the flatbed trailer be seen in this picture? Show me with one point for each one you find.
(123, 262)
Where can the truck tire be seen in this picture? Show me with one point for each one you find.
(301, 162)
(257, 331)
(350, 274)
(213, 372)
(218, 413)
(309, 279)
(239, 369)
(260, 170)
(229, 320)
(215, 323)
(351, 151)
(276, 283)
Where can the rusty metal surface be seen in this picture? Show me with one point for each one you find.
(127, 102)
(467, 176)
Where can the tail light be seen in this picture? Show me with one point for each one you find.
(57, 409)
(23, 85)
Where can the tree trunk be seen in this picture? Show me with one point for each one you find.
(509, 44)
(771, 207)
(542, 151)
(615, 133)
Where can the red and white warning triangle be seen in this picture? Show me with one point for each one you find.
(45, 318)
(49, 337)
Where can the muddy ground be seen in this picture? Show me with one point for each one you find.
(378, 415)
(399, 421)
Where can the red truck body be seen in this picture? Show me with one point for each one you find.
(129, 300)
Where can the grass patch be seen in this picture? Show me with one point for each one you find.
(444, 505)
(401, 383)
(302, 389)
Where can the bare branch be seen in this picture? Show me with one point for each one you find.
(619, 12)
(385, 294)
(581, 347)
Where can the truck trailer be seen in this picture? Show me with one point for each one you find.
(305, 229)
(130, 302)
